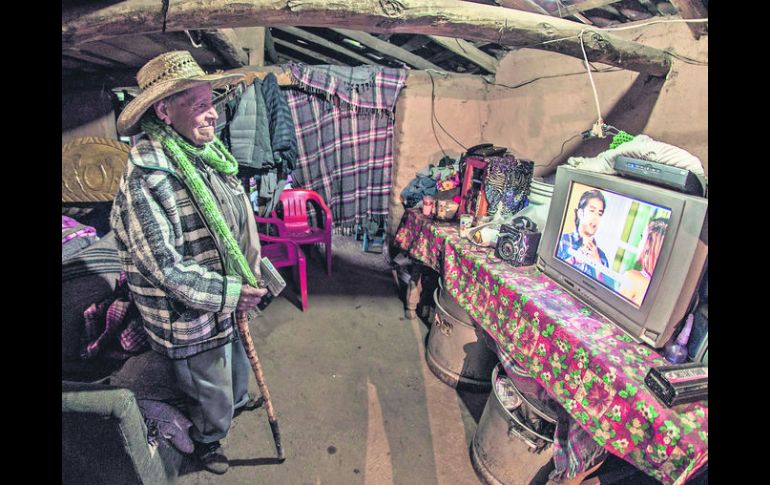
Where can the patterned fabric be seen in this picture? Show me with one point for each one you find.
(506, 184)
(70, 229)
(567, 251)
(173, 265)
(343, 118)
(164, 421)
(586, 363)
(111, 318)
(574, 449)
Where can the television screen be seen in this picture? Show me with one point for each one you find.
(633, 252)
(612, 238)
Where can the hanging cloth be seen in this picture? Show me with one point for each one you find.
(344, 123)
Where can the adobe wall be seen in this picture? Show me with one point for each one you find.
(536, 119)
(460, 107)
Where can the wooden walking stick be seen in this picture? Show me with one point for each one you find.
(251, 352)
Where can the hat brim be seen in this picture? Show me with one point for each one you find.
(128, 121)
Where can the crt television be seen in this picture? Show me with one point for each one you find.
(632, 251)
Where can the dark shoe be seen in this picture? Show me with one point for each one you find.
(211, 457)
(250, 405)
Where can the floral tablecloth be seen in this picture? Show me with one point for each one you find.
(585, 362)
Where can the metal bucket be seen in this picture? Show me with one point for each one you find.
(455, 352)
(539, 409)
(507, 449)
(450, 305)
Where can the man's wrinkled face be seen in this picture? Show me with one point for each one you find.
(191, 113)
(590, 216)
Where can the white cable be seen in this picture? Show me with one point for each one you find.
(194, 44)
(591, 78)
(687, 21)
(620, 28)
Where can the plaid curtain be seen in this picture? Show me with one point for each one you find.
(343, 118)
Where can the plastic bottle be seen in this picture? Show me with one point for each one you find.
(676, 350)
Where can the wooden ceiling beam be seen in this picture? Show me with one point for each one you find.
(692, 9)
(304, 50)
(228, 45)
(450, 18)
(270, 52)
(253, 43)
(90, 58)
(416, 42)
(388, 49)
(115, 54)
(531, 6)
(583, 6)
(465, 49)
(525, 5)
(317, 39)
(650, 6)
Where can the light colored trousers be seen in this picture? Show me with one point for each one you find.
(216, 383)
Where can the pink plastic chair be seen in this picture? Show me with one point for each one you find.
(283, 252)
(295, 219)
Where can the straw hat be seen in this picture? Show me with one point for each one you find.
(163, 76)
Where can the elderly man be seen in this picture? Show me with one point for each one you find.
(188, 242)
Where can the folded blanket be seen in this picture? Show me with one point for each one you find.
(644, 148)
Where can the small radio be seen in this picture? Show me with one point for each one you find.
(517, 242)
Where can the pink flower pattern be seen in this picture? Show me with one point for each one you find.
(524, 312)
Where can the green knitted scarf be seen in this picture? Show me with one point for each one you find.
(215, 155)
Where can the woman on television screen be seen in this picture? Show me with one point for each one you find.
(635, 282)
(579, 248)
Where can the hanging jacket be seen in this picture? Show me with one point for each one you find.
(282, 134)
(283, 140)
(249, 130)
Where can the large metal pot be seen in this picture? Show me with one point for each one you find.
(455, 352)
(507, 449)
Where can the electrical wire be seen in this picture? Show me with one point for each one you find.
(591, 78)
(560, 152)
(685, 59)
(672, 21)
(589, 67)
(630, 27)
(609, 69)
(434, 117)
(192, 41)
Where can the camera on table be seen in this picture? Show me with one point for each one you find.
(518, 241)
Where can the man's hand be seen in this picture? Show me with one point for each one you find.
(250, 298)
(592, 252)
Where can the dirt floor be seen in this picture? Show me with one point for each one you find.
(355, 400)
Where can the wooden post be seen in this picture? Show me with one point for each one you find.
(253, 40)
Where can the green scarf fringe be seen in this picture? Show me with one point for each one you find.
(215, 155)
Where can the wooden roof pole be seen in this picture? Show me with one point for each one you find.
(449, 18)
(310, 37)
(388, 49)
(465, 49)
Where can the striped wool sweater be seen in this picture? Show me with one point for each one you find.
(172, 263)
